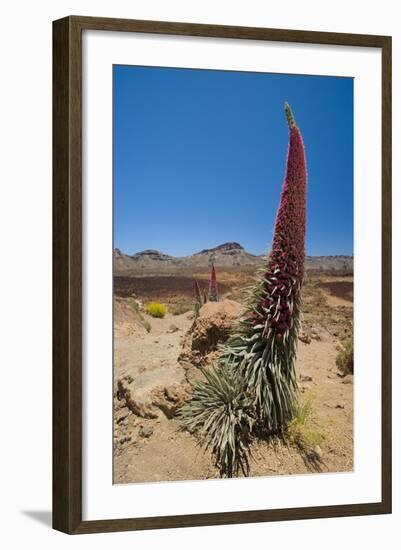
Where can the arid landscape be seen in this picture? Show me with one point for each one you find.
(156, 359)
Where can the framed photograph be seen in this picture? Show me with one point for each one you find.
(222, 274)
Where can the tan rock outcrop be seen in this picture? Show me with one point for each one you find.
(213, 326)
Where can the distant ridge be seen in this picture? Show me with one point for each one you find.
(226, 255)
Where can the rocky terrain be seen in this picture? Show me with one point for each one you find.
(156, 360)
(227, 255)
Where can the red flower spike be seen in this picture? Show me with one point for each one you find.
(285, 271)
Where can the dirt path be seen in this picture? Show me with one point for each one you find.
(154, 449)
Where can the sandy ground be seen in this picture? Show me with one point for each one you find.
(154, 449)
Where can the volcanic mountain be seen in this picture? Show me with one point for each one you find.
(225, 255)
(228, 255)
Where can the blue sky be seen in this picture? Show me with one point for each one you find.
(199, 158)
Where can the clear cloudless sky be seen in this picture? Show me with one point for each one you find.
(199, 158)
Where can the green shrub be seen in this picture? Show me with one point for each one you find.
(301, 431)
(136, 308)
(345, 358)
(156, 309)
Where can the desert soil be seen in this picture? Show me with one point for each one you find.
(148, 442)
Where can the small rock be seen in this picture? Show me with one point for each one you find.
(120, 403)
(304, 337)
(347, 379)
(137, 401)
(318, 451)
(305, 378)
(173, 328)
(177, 393)
(122, 415)
(146, 431)
(169, 399)
(340, 406)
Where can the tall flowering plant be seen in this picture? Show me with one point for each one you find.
(213, 296)
(253, 385)
(198, 298)
(197, 292)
